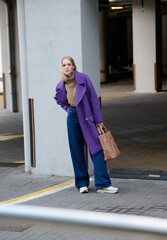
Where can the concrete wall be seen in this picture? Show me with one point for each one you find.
(90, 41)
(0, 55)
(5, 56)
(53, 29)
(5, 52)
(17, 59)
(1, 84)
(144, 45)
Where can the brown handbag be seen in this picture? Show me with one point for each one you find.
(108, 144)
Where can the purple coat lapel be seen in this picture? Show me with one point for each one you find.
(80, 87)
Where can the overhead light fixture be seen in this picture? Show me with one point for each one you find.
(116, 8)
(112, 0)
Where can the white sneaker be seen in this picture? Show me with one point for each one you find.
(83, 190)
(110, 189)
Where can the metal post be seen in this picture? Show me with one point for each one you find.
(4, 90)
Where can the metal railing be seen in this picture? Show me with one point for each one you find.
(96, 222)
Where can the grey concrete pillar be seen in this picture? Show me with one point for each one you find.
(102, 48)
(53, 29)
(0, 55)
(24, 81)
(144, 46)
(5, 53)
(17, 63)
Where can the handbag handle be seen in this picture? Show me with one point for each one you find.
(102, 130)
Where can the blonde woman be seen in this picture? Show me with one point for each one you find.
(76, 95)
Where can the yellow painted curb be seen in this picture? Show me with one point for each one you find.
(38, 192)
(5, 137)
(19, 162)
(3, 115)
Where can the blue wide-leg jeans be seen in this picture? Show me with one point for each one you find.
(76, 144)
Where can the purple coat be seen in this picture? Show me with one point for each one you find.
(88, 108)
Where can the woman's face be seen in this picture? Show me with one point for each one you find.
(67, 67)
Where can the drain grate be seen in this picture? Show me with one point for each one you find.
(13, 228)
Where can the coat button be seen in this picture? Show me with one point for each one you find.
(86, 119)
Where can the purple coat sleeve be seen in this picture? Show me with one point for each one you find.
(97, 113)
(64, 104)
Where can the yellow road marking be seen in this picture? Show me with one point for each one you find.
(38, 192)
(20, 162)
(5, 137)
(3, 115)
(151, 175)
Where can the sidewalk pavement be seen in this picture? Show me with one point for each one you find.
(135, 197)
(11, 138)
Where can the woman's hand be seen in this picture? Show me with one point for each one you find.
(101, 125)
(101, 128)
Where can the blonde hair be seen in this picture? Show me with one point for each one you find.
(70, 59)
